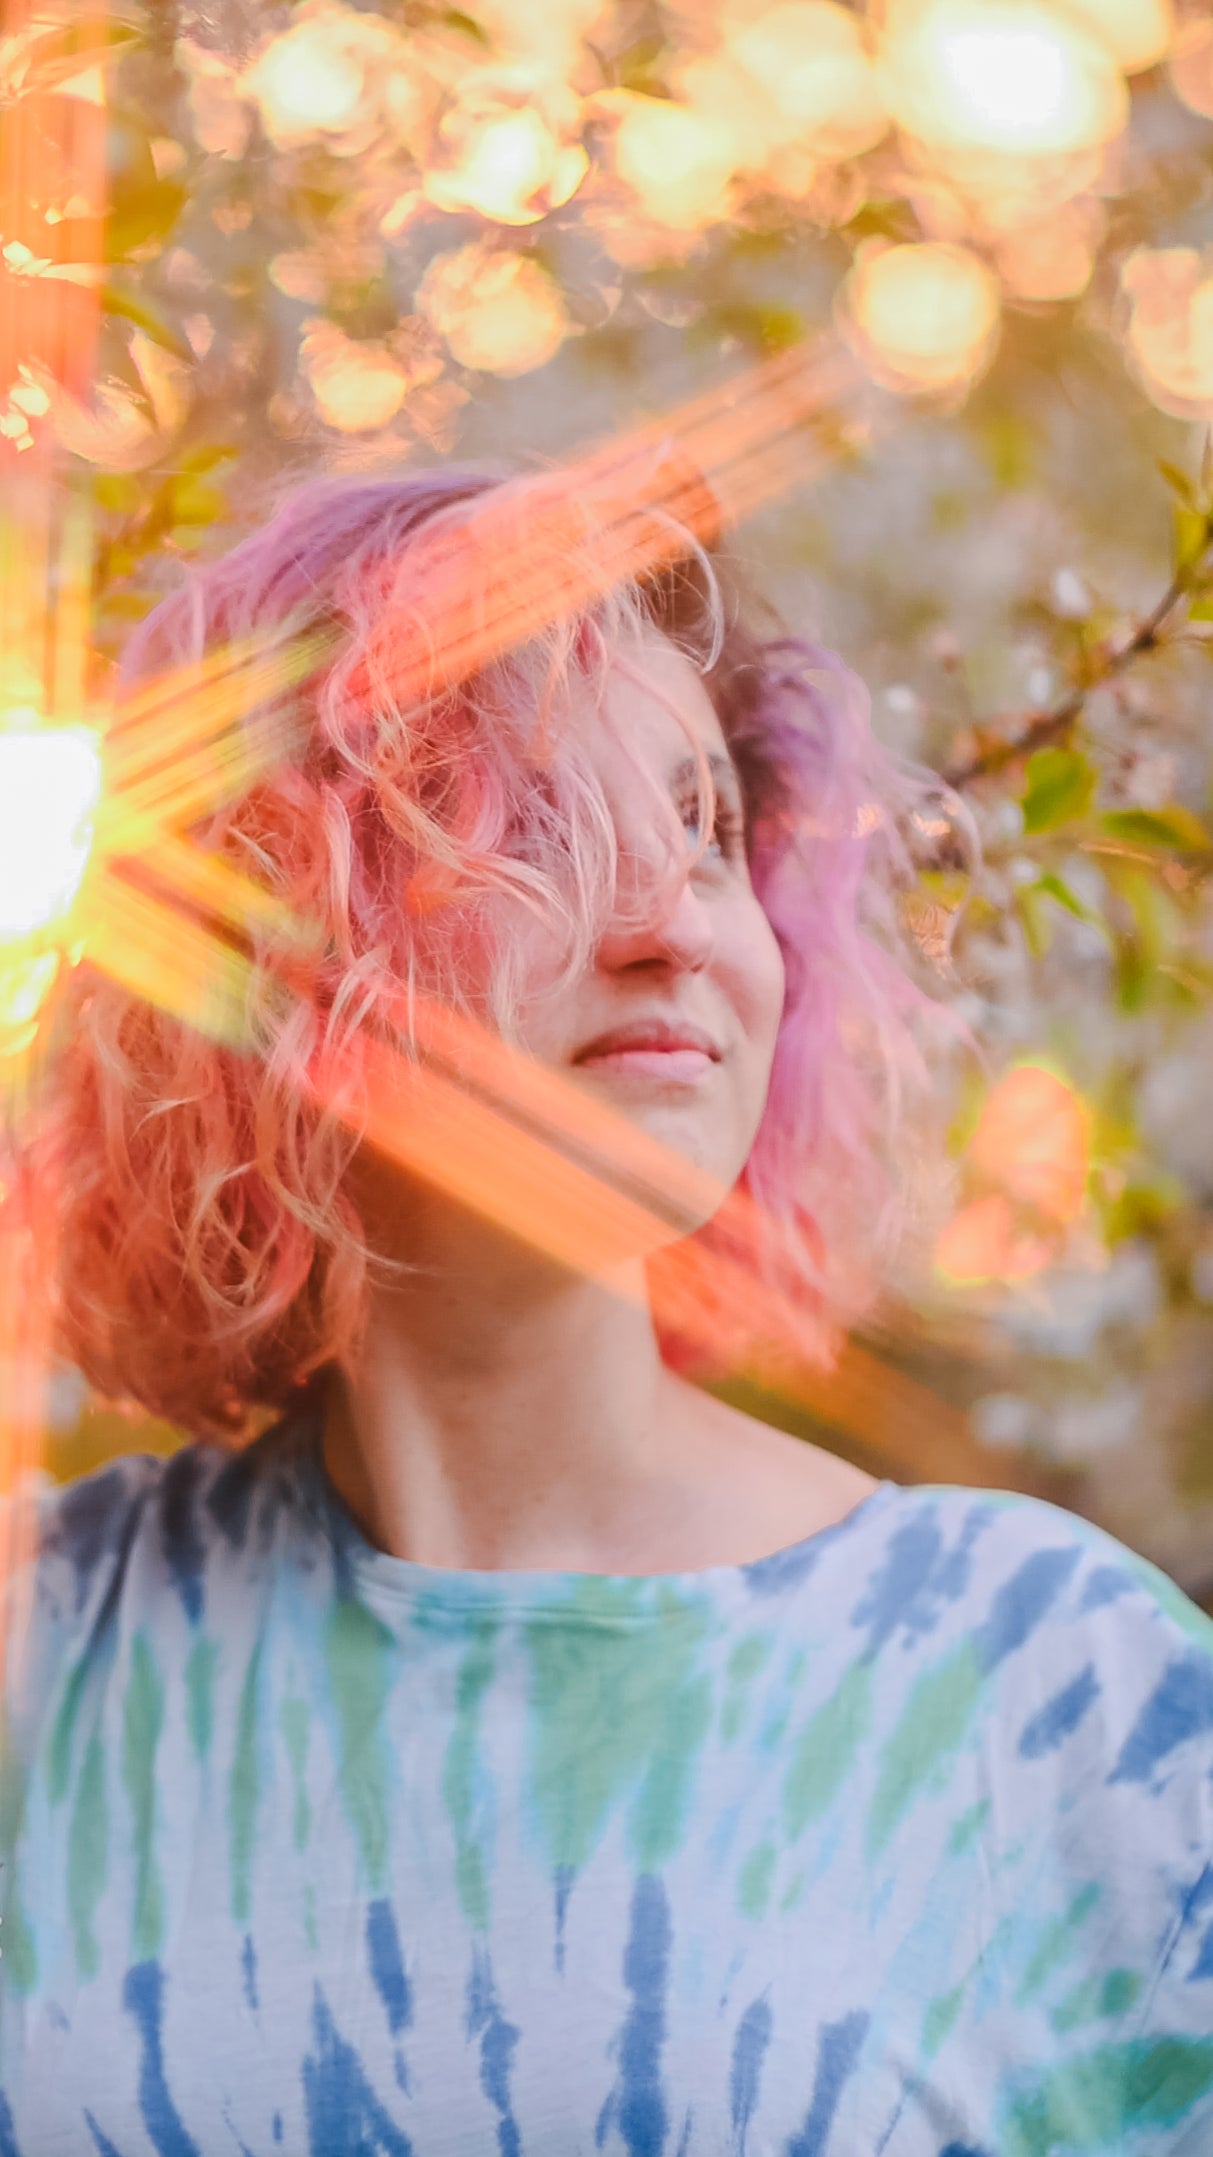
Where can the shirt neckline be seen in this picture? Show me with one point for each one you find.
(617, 1597)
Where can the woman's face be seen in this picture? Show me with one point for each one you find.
(675, 1018)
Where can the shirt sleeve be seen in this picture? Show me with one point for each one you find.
(1125, 1753)
(64, 1548)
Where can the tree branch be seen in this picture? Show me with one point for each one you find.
(1052, 724)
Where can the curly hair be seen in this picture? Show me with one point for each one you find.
(211, 1257)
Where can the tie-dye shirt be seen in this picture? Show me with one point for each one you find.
(898, 1841)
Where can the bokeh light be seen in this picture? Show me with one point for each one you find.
(810, 60)
(1033, 1138)
(498, 312)
(507, 165)
(676, 160)
(1017, 77)
(1139, 32)
(325, 77)
(357, 387)
(50, 785)
(1170, 328)
(1031, 1149)
(1192, 64)
(923, 316)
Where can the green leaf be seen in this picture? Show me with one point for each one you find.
(1034, 917)
(60, 56)
(149, 215)
(1061, 785)
(145, 317)
(195, 501)
(1190, 536)
(1179, 482)
(1172, 830)
(1055, 887)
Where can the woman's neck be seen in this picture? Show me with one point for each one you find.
(504, 1417)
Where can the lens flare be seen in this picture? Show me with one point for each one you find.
(1170, 328)
(500, 313)
(810, 59)
(1032, 1151)
(509, 166)
(923, 316)
(1018, 77)
(50, 785)
(309, 81)
(1138, 31)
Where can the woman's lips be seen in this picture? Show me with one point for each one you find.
(679, 1055)
(678, 1066)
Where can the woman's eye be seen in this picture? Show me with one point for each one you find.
(724, 840)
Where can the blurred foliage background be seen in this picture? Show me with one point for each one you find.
(351, 237)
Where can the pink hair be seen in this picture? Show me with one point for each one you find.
(210, 1255)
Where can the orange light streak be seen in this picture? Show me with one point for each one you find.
(484, 1123)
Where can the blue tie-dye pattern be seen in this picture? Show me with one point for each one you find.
(713, 1760)
(1181, 1707)
(344, 2116)
(387, 1965)
(104, 2146)
(181, 1534)
(749, 2049)
(837, 2056)
(1060, 1715)
(144, 1998)
(498, 2039)
(641, 2109)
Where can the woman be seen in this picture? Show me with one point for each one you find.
(512, 1747)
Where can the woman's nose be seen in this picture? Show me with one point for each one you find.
(660, 920)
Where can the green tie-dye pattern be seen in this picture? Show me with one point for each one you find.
(1097, 1999)
(1058, 1941)
(756, 1880)
(659, 1816)
(600, 1705)
(362, 1657)
(745, 1662)
(473, 1849)
(293, 1723)
(826, 1749)
(932, 1727)
(200, 1695)
(1087, 2106)
(940, 2020)
(142, 1723)
(244, 1791)
(88, 1856)
(772, 1841)
(59, 1757)
(20, 1952)
(968, 1828)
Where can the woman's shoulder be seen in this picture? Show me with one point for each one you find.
(1037, 1555)
(1023, 1581)
(152, 1523)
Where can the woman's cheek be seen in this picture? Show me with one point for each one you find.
(759, 976)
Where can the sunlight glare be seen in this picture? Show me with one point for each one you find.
(308, 80)
(1018, 77)
(50, 785)
(1138, 31)
(809, 58)
(510, 167)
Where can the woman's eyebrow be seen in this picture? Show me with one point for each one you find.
(723, 771)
